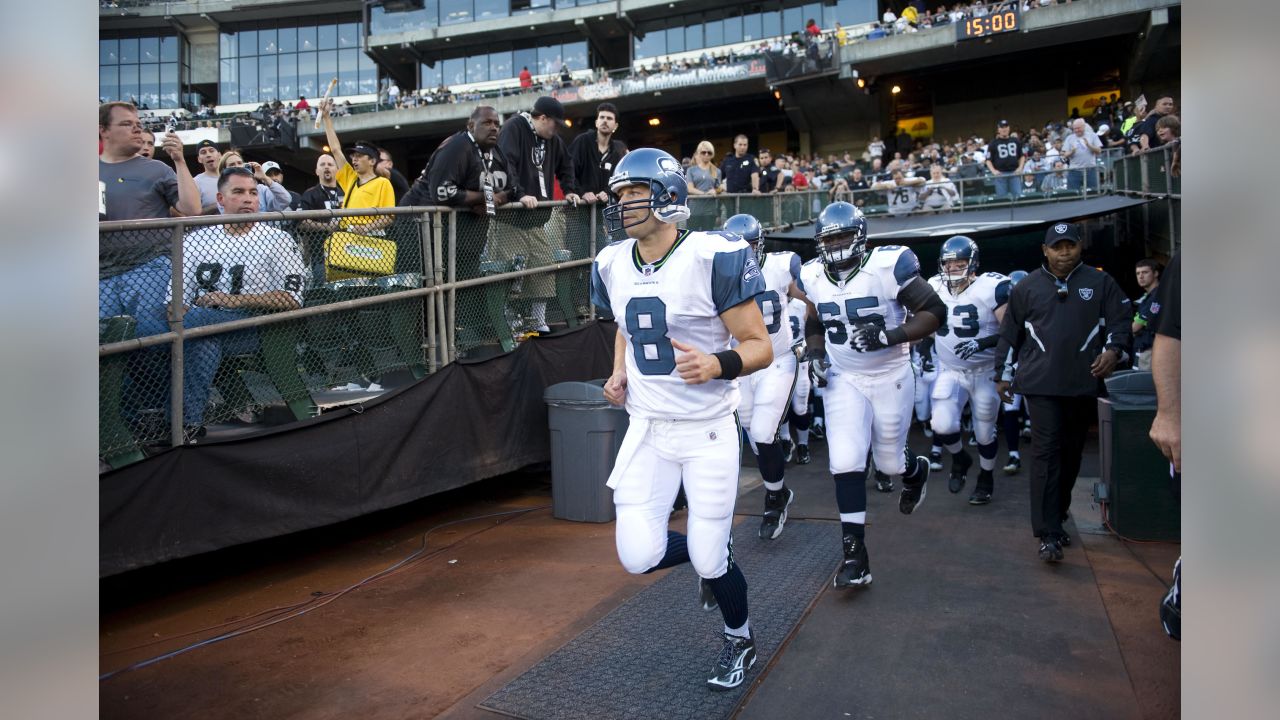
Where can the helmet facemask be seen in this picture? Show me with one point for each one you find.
(660, 203)
(956, 280)
(842, 252)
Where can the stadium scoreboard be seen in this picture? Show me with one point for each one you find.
(1007, 20)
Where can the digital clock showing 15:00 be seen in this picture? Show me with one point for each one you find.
(1002, 21)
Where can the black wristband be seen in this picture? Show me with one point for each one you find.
(730, 364)
(895, 336)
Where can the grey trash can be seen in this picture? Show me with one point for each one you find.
(1141, 503)
(586, 432)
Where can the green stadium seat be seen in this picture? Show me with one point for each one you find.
(495, 303)
(267, 377)
(116, 443)
(564, 288)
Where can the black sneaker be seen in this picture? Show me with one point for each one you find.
(802, 455)
(1050, 550)
(935, 461)
(960, 464)
(981, 494)
(913, 491)
(775, 512)
(884, 483)
(818, 431)
(1014, 466)
(1064, 539)
(855, 571)
(788, 448)
(1171, 605)
(737, 655)
(705, 597)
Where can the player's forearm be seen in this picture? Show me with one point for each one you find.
(756, 353)
(619, 353)
(1166, 372)
(917, 327)
(188, 191)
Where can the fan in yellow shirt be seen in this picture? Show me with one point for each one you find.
(362, 187)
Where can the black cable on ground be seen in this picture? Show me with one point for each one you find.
(298, 610)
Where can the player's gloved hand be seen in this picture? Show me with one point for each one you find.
(869, 338)
(818, 371)
(966, 349)
(812, 353)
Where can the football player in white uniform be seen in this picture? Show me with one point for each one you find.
(679, 297)
(799, 415)
(965, 351)
(926, 373)
(861, 299)
(1012, 413)
(765, 394)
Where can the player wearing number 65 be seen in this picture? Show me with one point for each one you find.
(231, 271)
(679, 297)
(860, 301)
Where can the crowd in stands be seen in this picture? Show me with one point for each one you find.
(1065, 155)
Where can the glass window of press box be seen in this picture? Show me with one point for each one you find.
(147, 70)
(506, 64)
(265, 62)
(436, 13)
(746, 23)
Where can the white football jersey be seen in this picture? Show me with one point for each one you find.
(780, 269)
(870, 294)
(265, 260)
(796, 310)
(677, 297)
(970, 315)
(903, 199)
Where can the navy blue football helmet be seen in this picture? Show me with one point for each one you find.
(749, 228)
(958, 247)
(841, 234)
(1016, 276)
(669, 191)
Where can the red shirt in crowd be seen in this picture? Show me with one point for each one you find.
(813, 29)
(526, 79)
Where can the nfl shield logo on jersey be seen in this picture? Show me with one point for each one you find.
(711, 436)
(647, 270)
(1086, 293)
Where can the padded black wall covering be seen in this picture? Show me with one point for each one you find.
(465, 423)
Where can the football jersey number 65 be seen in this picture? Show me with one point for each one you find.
(834, 320)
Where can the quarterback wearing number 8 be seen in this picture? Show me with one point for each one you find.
(766, 394)
(966, 350)
(680, 297)
(862, 298)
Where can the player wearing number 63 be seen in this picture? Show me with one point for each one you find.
(966, 352)
(765, 394)
(679, 297)
(860, 301)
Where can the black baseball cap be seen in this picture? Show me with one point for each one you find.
(206, 143)
(549, 106)
(1061, 231)
(1003, 123)
(363, 149)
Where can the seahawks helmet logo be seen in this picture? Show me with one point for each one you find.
(1061, 228)
(671, 165)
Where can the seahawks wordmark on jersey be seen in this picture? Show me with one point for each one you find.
(680, 297)
(265, 260)
(869, 295)
(971, 314)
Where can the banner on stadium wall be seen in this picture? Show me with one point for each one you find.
(917, 127)
(587, 93)
(1088, 102)
(192, 137)
(699, 76)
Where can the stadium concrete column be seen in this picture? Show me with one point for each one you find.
(203, 42)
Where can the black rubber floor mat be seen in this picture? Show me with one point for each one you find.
(651, 656)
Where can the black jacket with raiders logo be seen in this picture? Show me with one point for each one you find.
(524, 151)
(453, 169)
(1054, 329)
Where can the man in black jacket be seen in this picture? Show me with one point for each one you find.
(469, 172)
(594, 154)
(536, 158)
(1066, 328)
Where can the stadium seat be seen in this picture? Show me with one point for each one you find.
(269, 376)
(116, 443)
(564, 288)
(495, 303)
